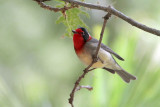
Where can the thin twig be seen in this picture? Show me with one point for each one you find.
(106, 17)
(86, 70)
(86, 87)
(117, 13)
(63, 9)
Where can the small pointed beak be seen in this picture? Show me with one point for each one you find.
(74, 31)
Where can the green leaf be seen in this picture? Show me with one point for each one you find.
(72, 19)
(60, 19)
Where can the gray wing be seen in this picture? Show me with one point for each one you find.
(95, 42)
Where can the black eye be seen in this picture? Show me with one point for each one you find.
(82, 33)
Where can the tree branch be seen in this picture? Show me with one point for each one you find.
(43, 5)
(109, 9)
(117, 13)
(106, 17)
(86, 70)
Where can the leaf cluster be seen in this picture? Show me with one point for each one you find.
(71, 19)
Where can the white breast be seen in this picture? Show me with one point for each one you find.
(105, 59)
(86, 58)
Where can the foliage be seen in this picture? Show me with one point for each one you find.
(71, 19)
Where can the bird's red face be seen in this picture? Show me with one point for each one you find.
(80, 37)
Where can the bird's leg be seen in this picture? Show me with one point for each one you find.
(87, 70)
(91, 69)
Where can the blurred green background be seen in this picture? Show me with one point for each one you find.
(38, 65)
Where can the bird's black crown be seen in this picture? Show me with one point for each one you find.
(85, 34)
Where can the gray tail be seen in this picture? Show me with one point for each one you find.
(125, 75)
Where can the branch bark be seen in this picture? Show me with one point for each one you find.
(43, 5)
(117, 13)
(86, 70)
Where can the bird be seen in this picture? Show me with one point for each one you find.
(85, 47)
